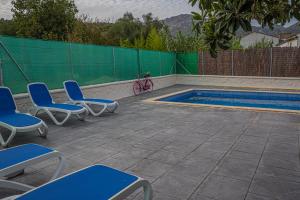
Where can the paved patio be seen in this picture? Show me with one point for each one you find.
(187, 153)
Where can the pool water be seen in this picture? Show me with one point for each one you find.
(266, 100)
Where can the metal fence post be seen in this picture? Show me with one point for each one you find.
(1, 74)
(232, 71)
(70, 61)
(271, 61)
(114, 63)
(203, 68)
(139, 63)
(160, 66)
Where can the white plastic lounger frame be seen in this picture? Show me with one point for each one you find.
(140, 182)
(4, 173)
(49, 110)
(110, 107)
(41, 127)
(123, 194)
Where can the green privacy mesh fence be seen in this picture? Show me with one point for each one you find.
(26, 60)
(187, 63)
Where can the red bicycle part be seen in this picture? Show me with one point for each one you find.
(148, 85)
(137, 88)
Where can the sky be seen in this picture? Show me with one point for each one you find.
(111, 10)
(114, 9)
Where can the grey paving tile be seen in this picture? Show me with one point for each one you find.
(251, 196)
(236, 168)
(283, 174)
(282, 160)
(245, 156)
(181, 147)
(253, 139)
(168, 157)
(150, 169)
(201, 164)
(207, 153)
(120, 161)
(225, 188)
(216, 146)
(275, 188)
(249, 147)
(283, 147)
(177, 183)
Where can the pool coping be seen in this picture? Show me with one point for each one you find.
(154, 100)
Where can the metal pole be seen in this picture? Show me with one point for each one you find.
(271, 61)
(203, 68)
(16, 63)
(114, 62)
(139, 63)
(1, 74)
(70, 60)
(183, 67)
(232, 72)
(160, 64)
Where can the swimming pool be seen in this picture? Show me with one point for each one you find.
(236, 99)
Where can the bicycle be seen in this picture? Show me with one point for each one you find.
(143, 85)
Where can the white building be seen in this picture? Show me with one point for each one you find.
(293, 41)
(252, 38)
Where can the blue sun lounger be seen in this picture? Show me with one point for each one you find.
(14, 121)
(14, 160)
(43, 101)
(76, 96)
(96, 182)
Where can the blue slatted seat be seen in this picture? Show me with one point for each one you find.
(14, 121)
(43, 101)
(75, 95)
(22, 153)
(15, 160)
(96, 182)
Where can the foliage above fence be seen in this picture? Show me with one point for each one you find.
(54, 62)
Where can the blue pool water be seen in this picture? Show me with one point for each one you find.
(270, 100)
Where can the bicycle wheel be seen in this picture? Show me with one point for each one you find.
(149, 85)
(137, 89)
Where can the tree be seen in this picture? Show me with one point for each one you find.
(218, 20)
(184, 43)
(7, 27)
(91, 31)
(154, 40)
(44, 19)
(125, 28)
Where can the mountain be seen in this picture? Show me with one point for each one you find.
(183, 23)
(178, 23)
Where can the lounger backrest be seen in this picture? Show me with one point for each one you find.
(73, 90)
(40, 94)
(7, 103)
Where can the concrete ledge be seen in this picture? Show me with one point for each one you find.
(281, 83)
(115, 90)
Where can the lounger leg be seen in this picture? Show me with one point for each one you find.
(59, 168)
(9, 139)
(43, 133)
(148, 193)
(55, 120)
(116, 105)
(82, 118)
(96, 114)
(15, 185)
